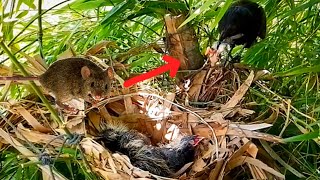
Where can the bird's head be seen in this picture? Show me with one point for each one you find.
(193, 140)
(219, 53)
(221, 47)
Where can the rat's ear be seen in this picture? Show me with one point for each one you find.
(85, 72)
(109, 73)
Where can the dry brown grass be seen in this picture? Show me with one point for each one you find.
(212, 105)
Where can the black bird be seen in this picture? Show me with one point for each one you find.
(163, 161)
(242, 23)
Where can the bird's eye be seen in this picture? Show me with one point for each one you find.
(92, 84)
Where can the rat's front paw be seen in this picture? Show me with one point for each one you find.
(68, 109)
(95, 103)
(71, 110)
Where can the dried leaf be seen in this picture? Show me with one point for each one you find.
(116, 107)
(76, 125)
(217, 170)
(263, 74)
(159, 132)
(211, 149)
(105, 114)
(170, 97)
(195, 88)
(256, 172)
(245, 112)
(251, 127)
(241, 151)
(140, 173)
(238, 95)
(244, 159)
(205, 131)
(6, 87)
(69, 53)
(112, 176)
(4, 70)
(43, 66)
(128, 102)
(126, 166)
(38, 64)
(198, 165)
(217, 117)
(94, 149)
(172, 132)
(31, 120)
(182, 170)
(100, 46)
(37, 137)
(273, 117)
(95, 120)
(112, 165)
(252, 150)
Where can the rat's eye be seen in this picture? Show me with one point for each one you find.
(106, 87)
(92, 84)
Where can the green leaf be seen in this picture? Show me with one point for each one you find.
(116, 11)
(298, 71)
(29, 3)
(303, 137)
(199, 11)
(22, 14)
(140, 62)
(275, 156)
(165, 5)
(299, 8)
(222, 12)
(89, 4)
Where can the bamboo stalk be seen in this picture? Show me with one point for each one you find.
(40, 28)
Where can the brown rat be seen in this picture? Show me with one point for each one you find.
(74, 78)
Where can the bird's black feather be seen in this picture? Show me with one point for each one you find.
(163, 161)
(243, 18)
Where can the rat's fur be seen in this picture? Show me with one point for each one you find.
(75, 78)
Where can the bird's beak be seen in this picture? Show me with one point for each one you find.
(197, 140)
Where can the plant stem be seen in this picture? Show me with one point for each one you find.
(40, 28)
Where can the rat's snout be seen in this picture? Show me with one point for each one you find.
(97, 95)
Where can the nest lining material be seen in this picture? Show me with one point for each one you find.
(228, 145)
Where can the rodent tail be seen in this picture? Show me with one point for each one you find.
(18, 78)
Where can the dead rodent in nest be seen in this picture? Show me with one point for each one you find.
(163, 161)
(74, 78)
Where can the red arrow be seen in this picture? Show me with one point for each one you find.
(172, 66)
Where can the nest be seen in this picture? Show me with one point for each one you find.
(211, 104)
